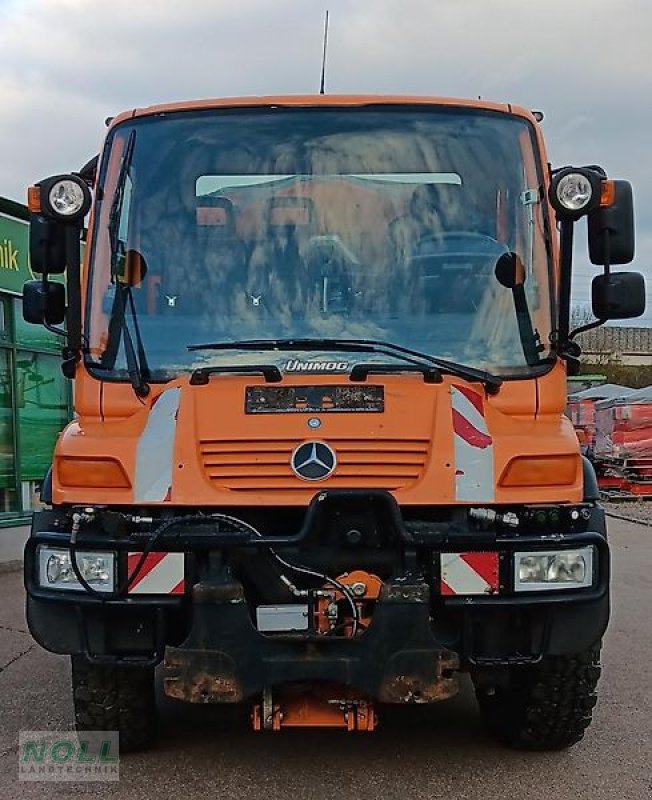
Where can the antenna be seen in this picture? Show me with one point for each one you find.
(323, 57)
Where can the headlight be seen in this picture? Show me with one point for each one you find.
(574, 192)
(554, 569)
(64, 198)
(55, 569)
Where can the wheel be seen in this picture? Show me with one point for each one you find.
(108, 698)
(544, 707)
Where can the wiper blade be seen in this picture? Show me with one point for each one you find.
(303, 344)
(116, 205)
(137, 365)
(491, 382)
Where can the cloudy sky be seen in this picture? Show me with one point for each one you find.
(65, 65)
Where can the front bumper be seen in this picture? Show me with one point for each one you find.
(207, 632)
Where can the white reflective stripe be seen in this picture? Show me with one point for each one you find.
(465, 407)
(167, 574)
(474, 466)
(155, 451)
(460, 577)
(474, 472)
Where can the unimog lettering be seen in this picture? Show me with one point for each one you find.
(293, 365)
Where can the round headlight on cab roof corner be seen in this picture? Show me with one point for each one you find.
(65, 198)
(575, 192)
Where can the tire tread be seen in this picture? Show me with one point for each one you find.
(114, 698)
(545, 707)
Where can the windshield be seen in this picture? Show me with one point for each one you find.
(278, 223)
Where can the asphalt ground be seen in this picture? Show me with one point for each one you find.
(419, 752)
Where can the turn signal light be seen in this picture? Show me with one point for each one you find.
(97, 473)
(540, 471)
(34, 199)
(608, 194)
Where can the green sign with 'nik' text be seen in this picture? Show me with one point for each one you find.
(14, 254)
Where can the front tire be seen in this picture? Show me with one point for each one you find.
(544, 707)
(114, 698)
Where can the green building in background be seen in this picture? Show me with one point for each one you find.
(35, 398)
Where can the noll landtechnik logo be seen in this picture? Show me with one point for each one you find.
(68, 756)
(313, 461)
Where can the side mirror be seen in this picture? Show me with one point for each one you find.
(510, 271)
(614, 224)
(44, 303)
(47, 245)
(618, 295)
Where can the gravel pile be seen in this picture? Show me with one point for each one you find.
(632, 510)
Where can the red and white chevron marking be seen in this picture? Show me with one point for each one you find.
(162, 573)
(474, 451)
(469, 573)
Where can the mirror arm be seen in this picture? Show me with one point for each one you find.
(52, 328)
(607, 250)
(73, 312)
(588, 327)
(607, 269)
(73, 350)
(566, 270)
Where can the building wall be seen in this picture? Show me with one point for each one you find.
(35, 398)
(629, 345)
(625, 358)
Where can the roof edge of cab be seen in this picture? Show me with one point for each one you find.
(327, 100)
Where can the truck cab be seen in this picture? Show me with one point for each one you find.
(319, 461)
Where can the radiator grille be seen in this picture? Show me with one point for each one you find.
(245, 465)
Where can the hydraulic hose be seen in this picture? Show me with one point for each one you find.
(159, 532)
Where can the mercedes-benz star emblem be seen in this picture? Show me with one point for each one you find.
(313, 461)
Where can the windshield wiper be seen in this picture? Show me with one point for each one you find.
(118, 198)
(491, 382)
(137, 365)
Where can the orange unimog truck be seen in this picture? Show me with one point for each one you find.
(319, 461)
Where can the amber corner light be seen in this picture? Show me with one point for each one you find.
(34, 199)
(540, 471)
(608, 194)
(92, 473)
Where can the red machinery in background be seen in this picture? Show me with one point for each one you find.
(580, 409)
(622, 447)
